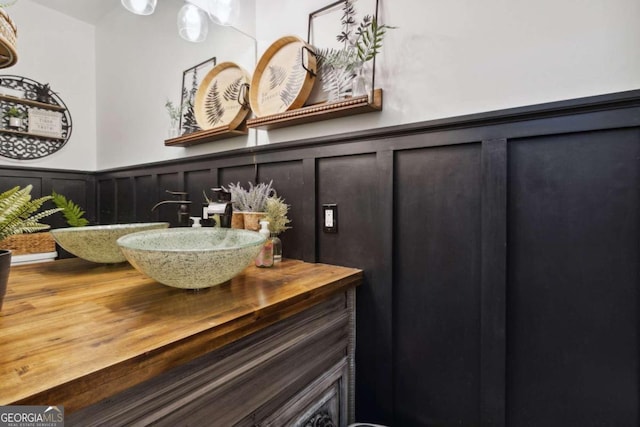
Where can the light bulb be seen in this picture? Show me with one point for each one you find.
(140, 7)
(192, 23)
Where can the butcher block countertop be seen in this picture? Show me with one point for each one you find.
(73, 333)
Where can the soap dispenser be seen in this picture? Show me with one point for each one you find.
(265, 257)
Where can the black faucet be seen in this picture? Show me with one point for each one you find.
(183, 209)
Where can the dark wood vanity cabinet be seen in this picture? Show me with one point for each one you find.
(297, 372)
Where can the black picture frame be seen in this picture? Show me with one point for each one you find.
(333, 11)
(191, 79)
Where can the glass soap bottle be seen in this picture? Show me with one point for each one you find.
(277, 248)
(265, 257)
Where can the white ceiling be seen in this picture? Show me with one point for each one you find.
(90, 11)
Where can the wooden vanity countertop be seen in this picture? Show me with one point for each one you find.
(73, 332)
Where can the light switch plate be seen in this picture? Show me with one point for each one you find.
(330, 218)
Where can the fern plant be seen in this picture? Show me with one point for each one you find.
(364, 47)
(338, 66)
(337, 70)
(73, 214)
(370, 37)
(19, 213)
(174, 111)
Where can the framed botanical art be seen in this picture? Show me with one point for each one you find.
(342, 33)
(191, 79)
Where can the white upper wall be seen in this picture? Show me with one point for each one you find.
(447, 58)
(56, 49)
(456, 57)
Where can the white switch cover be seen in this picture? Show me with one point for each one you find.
(328, 218)
(330, 215)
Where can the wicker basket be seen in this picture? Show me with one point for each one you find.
(8, 37)
(34, 243)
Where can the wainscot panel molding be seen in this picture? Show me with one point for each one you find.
(501, 254)
(79, 186)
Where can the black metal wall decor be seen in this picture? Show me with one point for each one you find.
(24, 98)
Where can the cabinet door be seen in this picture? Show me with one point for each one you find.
(321, 403)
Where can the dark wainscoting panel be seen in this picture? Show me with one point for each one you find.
(288, 180)
(77, 186)
(350, 183)
(125, 194)
(145, 197)
(198, 182)
(80, 187)
(7, 182)
(501, 255)
(170, 181)
(107, 201)
(237, 174)
(574, 211)
(437, 285)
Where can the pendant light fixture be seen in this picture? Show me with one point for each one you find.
(140, 7)
(192, 23)
(224, 12)
(193, 17)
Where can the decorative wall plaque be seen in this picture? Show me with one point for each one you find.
(45, 123)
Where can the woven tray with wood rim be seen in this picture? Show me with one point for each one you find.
(220, 99)
(33, 243)
(283, 77)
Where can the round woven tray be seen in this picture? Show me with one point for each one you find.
(280, 81)
(8, 35)
(220, 97)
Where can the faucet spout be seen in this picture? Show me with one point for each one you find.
(183, 208)
(170, 202)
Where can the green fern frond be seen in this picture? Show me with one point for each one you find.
(337, 58)
(370, 37)
(18, 212)
(336, 81)
(73, 214)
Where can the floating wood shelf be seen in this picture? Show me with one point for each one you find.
(31, 103)
(35, 135)
(202, 136)
(319, 112)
